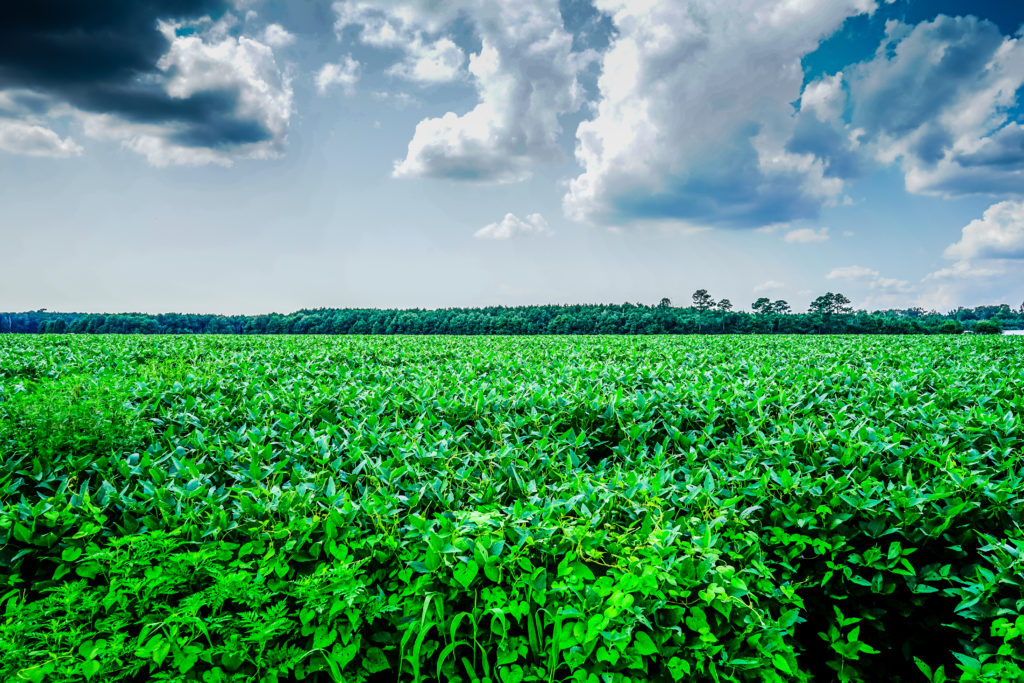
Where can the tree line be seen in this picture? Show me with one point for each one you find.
(830, 313)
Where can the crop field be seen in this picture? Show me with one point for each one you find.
(510, 509)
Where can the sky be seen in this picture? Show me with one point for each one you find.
(255, 156)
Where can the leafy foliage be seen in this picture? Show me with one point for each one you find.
(511, 509)
(829, 314)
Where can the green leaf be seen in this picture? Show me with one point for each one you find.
(161, 650)
(90, 668)
(466, 572)
(679, 669)
(643, 644)
(375, 661)
(22, 533)
(782, 664)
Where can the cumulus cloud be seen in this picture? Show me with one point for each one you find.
(512, 226)
(695, 123)
(971, 280)
(246, 68)
(988, 254)
(769, 286)
(277, 36)
(388, 24)
(409, 27)
(174, 85)
(937, 98)
(820, 130)
(999, 233)
(806, 236)
(19, 137)
(694, 114)
(824, 98)
(439, 61)
(344, 73)
(525, 74)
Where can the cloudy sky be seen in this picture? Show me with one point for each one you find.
(261, 155)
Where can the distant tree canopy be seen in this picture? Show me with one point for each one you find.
(831, 304)
(702, 301)
(830, 313)
(992, 326)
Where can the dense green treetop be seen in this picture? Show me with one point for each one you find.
(830, 313)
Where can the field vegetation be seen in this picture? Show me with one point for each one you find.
(506, 509)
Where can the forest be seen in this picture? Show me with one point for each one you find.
(830, 313)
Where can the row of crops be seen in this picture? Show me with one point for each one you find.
(511, 509)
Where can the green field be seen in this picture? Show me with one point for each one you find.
(511, 509)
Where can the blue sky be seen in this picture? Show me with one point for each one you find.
(255, 156)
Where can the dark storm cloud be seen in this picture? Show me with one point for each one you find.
(101, 56)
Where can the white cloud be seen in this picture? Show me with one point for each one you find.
(769, 286)
(407, 26)
(872, 278)
(981, 282)
(439, 61)
(988, 255)
(851, 273)
(242, 65)
(525, 75)
(891, 285)
(154, 141)
(967, 270)
(20, 137)
(824, 97)
(999, 233)
(277, 36)
(344, 73)
(512, 226)
(806, 236)
(937, 98)
(388, 24)
(694, 113)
